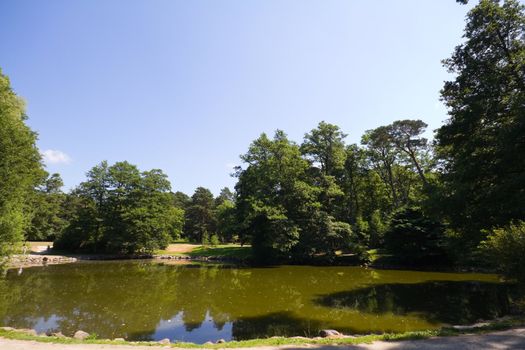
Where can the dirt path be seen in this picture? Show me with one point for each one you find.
(513, 339)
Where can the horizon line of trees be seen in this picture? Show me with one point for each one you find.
(424, 201)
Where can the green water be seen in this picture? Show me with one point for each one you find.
(145, 300)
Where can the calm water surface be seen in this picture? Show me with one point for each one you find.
(145, 300)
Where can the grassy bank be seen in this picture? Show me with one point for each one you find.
(492, 326)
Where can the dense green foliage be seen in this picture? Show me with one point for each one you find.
(416, 238)
(120, 209)
(200, 220)
(505, 249)
(481, 146)
(20, 167)
(284, 201)
(46, 210)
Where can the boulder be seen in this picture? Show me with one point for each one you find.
(119, 339)
(208, 343)
(58, 335)
(220, 341)
(329, 333)
(164, 341)
(81, 335)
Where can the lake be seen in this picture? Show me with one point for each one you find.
(150, 300)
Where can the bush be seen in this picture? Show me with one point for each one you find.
(505, 249)
(205, 240)
(214, 240)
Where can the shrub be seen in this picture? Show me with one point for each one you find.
(505, 249)
(205, 241)
(214, 240)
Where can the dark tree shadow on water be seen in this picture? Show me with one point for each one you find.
(274, 324)
(436, 301)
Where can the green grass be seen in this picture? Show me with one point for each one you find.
(223, 251)
(181, 240)
(494, 326)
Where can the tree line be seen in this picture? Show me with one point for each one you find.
(445, 200)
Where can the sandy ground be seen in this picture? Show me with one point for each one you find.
(39, 247)
(513, 339)
(181, 248)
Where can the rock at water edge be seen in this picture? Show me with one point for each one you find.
(81, 335)
(326, 333)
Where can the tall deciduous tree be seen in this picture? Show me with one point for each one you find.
(482, 144)
(20, 167)
(406, 136)
(325, 146)
(382, 154)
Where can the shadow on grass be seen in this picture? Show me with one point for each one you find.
(225, 251)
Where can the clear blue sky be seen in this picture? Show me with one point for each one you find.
(185, 86)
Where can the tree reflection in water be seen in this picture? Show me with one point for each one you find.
(150, 301)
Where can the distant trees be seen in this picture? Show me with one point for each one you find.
(227, 227)
(323, 197)
(176, 222)
(20, 167)
(46, 210)
(119, 209)
(200, 221)
(208, 219)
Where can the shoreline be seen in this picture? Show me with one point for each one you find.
(42, 259)
(506, 323)
(31, 260)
